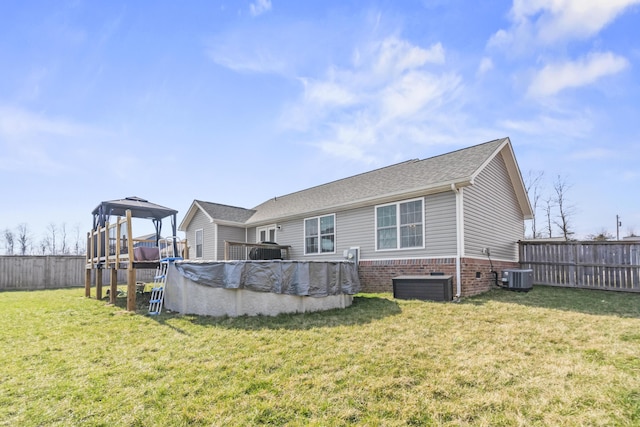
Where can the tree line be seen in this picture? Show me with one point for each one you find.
(56, 240)
(558, 213)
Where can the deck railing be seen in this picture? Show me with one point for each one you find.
(238, 251)
(110, 244)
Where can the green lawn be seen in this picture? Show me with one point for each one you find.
(549, 357)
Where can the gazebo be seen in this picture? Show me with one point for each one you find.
(110, 243)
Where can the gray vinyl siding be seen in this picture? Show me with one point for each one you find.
(226, 232)
(201, 221)
(440, 225)
(492, 216)
(356, 228)
(250, 235)
(291, 233)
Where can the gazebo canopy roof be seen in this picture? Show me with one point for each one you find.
(140, 208)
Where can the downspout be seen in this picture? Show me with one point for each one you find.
(459, 239)
(215, 242)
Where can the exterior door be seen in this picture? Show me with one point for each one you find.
(266, 234)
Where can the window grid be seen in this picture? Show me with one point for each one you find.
(400, 225)
(319, 235)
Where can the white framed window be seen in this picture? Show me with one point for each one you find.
(400, 225)
(199, 242)
(320, 235)
(266, 234)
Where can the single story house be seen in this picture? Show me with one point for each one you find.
(460, 213)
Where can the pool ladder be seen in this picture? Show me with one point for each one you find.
(160, 279)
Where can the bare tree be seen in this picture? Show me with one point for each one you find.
(64, 249)
(565, 210)
(8, 241)
(52, 230)
(23, 238)
(532, 186)
(547, 210)
(43, 245)
(77, 244)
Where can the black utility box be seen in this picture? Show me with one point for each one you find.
(432, 288)
(265, 253)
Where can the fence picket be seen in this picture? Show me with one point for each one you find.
(600, 265)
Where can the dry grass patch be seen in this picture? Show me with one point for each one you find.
(549, 357)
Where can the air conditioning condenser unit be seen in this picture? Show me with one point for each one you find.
(517, 280)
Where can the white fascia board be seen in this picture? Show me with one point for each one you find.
(505, 142)
(229, 223)
(516, 179)
(191, 213)
(506, 151)
(518, 184)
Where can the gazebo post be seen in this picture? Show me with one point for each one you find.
(131, 272)
(98, 283)
(87, 282)
(98, 277)
(87, 269)
(113, 292)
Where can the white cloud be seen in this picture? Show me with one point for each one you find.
(260, 7)
(396, 56)
(352, 140)
(414, 92)
(547, 22)
(572, 125)
(486, 65)
(17, 123)
(262, 48)
(327, 93)
(553, 78)
(388, 96)
(34, 142)
(260, 61)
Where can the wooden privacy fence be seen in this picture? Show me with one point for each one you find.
(31, 272)
(595, 265)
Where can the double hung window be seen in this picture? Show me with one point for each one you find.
(199, 242)
(400, 225)
(320, 235)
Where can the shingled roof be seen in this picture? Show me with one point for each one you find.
(217, 212)
(403, 179)
(411, 178)
(226, 212)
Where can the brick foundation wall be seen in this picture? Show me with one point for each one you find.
(471, 266)
(376, 276)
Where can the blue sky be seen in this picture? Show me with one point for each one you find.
(236, 102)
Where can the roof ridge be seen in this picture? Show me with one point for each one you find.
(463, 149)
(222, 204)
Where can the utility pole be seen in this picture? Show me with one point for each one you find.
(618, 224)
